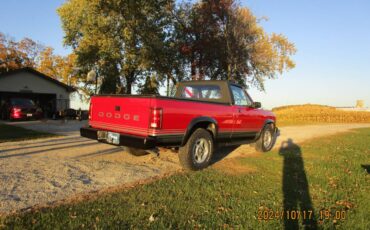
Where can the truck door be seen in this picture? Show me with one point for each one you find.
(245, 117)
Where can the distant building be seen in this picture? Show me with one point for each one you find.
(51, 95)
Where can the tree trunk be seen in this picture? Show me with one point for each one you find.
(193, 67)
(168, 85)
(128, 86)
(129, 80)
(201, 68)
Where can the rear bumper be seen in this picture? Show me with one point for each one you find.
(125, 140)
(21, 116)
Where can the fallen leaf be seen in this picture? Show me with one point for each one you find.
(151, 218)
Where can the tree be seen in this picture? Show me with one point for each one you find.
(15, 55)
(64, 69)
(126, 41)
(150, 86)
(222, 40)
(115, 37)
(28, 53)
(47, 64)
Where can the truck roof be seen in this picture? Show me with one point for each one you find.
(201, 82)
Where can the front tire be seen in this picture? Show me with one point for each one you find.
(136, 152)
(266, 139)
(197, 152)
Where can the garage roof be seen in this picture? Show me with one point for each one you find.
(41, 75)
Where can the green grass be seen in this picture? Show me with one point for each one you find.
(325, 174)
(14, 133)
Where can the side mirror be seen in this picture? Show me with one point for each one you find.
(256, 105)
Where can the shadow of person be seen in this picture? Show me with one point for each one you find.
(366, 167)
(295, 188)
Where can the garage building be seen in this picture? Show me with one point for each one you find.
(51, 95)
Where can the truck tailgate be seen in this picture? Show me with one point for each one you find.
(122, 114)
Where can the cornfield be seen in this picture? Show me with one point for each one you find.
(310, 113)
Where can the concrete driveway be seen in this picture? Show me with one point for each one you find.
(42, 171)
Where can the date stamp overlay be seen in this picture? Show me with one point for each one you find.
(308, 217)
(304, 215)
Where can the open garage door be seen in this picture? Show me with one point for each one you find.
(47, 102)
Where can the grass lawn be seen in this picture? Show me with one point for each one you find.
(14, 133)
(324, 180)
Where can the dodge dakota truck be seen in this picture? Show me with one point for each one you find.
(201, 116)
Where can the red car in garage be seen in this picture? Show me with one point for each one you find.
(20, 109)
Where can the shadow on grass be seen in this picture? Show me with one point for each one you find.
(295, 188)
(366, 167)
(221, 153)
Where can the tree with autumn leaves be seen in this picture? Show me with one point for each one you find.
(15, 55)
(222, 40)
(154, 43)
(127, 41)
(28, 53)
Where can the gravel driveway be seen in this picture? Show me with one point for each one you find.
(42, 171)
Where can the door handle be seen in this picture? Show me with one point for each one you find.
(240, 110)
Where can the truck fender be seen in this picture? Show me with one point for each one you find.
(203, 122)
(267, 121)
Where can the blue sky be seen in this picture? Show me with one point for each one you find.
(332, 38)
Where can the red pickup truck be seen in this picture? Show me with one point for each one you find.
(201, 115)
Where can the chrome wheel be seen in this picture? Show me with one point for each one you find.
(201, 150)
(267, 139)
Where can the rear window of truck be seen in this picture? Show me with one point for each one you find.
(208, 92)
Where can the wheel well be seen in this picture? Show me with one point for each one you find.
(268, 122)
(207, 125)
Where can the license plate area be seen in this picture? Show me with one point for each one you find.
(113, 138)
(110, 137)
(29, 114)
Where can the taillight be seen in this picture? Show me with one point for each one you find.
(155, 118)
(16, 110)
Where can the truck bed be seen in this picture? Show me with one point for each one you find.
(130, 114)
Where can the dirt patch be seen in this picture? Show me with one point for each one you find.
(44, 171)
(47, 170)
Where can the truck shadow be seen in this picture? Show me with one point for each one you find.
(295, 188)
(79, 145)
(26, 147)
(101, 152)
(222, 152)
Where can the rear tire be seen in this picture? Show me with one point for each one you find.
(136, 152)
(266, 140)
(197, 152)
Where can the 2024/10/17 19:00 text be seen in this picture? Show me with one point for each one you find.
(297, 214)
